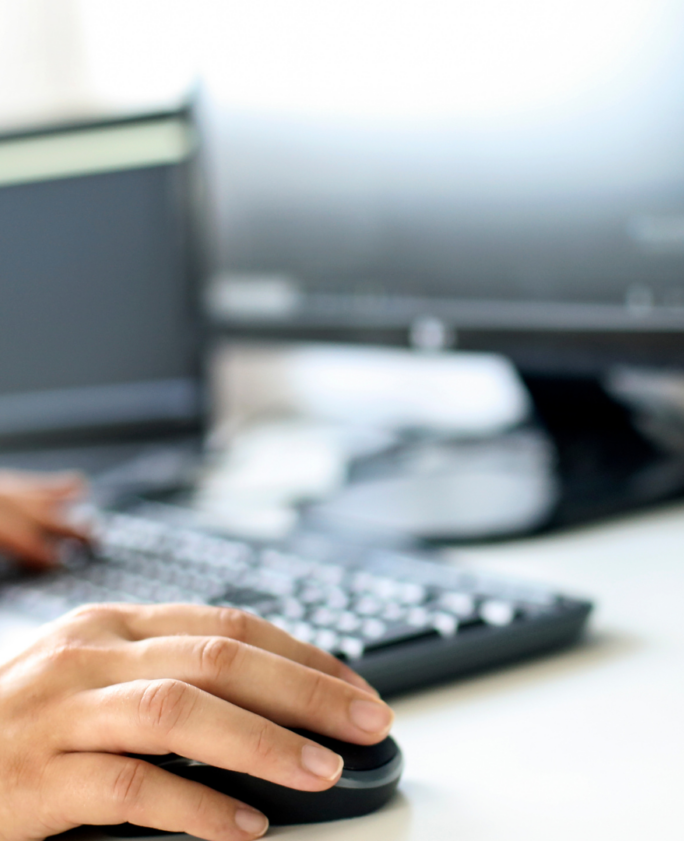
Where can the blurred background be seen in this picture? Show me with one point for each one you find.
(404, 267)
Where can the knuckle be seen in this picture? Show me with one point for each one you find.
(164, 704)
(208, 815)
(91, 612)
(68, 656)
(263, 742)
(234, 623)
(317, 695)
(217, 656)
(128, 785)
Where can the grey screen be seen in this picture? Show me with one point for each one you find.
(561, 217)
(576, 212)
(95, 314)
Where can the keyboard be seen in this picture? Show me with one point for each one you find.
(400, 619)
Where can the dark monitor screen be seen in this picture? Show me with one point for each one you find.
(549, 230)
(97, 326)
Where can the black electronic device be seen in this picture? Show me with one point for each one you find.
(399, 618)
(369, 778)
(552, 233)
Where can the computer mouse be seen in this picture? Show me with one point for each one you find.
(369, 778)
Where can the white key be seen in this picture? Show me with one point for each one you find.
(411, 593)
(291, 565)
(274, 582)
(393, 612)
(293, 609)
(362, 581)
(445, 624)
(368, 606)
(461, 604)
(325, 639)
(373, 628)
(336, 598)
(418, 616)
(325, 616)
(385, 588)
(496, 612)
(351, 646)
(328, 573)
(348, 622)
(312, 594)
(302, 631)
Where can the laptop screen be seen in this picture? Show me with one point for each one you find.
(97, 323)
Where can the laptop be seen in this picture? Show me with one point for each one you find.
(100, 336)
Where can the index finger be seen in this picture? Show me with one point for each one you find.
(162, 716)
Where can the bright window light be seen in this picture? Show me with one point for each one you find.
(385, 59)
(426, 58)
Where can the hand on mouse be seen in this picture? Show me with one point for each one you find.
(32, 514)
(212, 684)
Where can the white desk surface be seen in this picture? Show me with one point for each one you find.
(586, 744)
(583, 745)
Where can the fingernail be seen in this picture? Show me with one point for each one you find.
(321, 761)
(251, 821)
(371, 716)
(360, 683)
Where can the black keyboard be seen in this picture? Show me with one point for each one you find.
(399, 619)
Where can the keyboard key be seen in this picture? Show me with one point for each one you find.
(409, 593)
(312, 595)
(361, 582)
(327, 574)
(326, 639)
(497, 612)
(351, 647)
(336, 598)
(460, 604)
(292, 565)
(373, 629)
(385, 588)
(325, 616)
(393, 612)
(302, 631)
(418, 617)
(444, 623)
(348, 622)
(274, 582)
(368, 606)
(292, 608)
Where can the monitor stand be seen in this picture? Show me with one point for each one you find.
(605, 465)
(582, 458)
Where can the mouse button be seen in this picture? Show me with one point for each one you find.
(357, 757)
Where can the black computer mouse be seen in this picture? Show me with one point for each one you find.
(369, 778)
